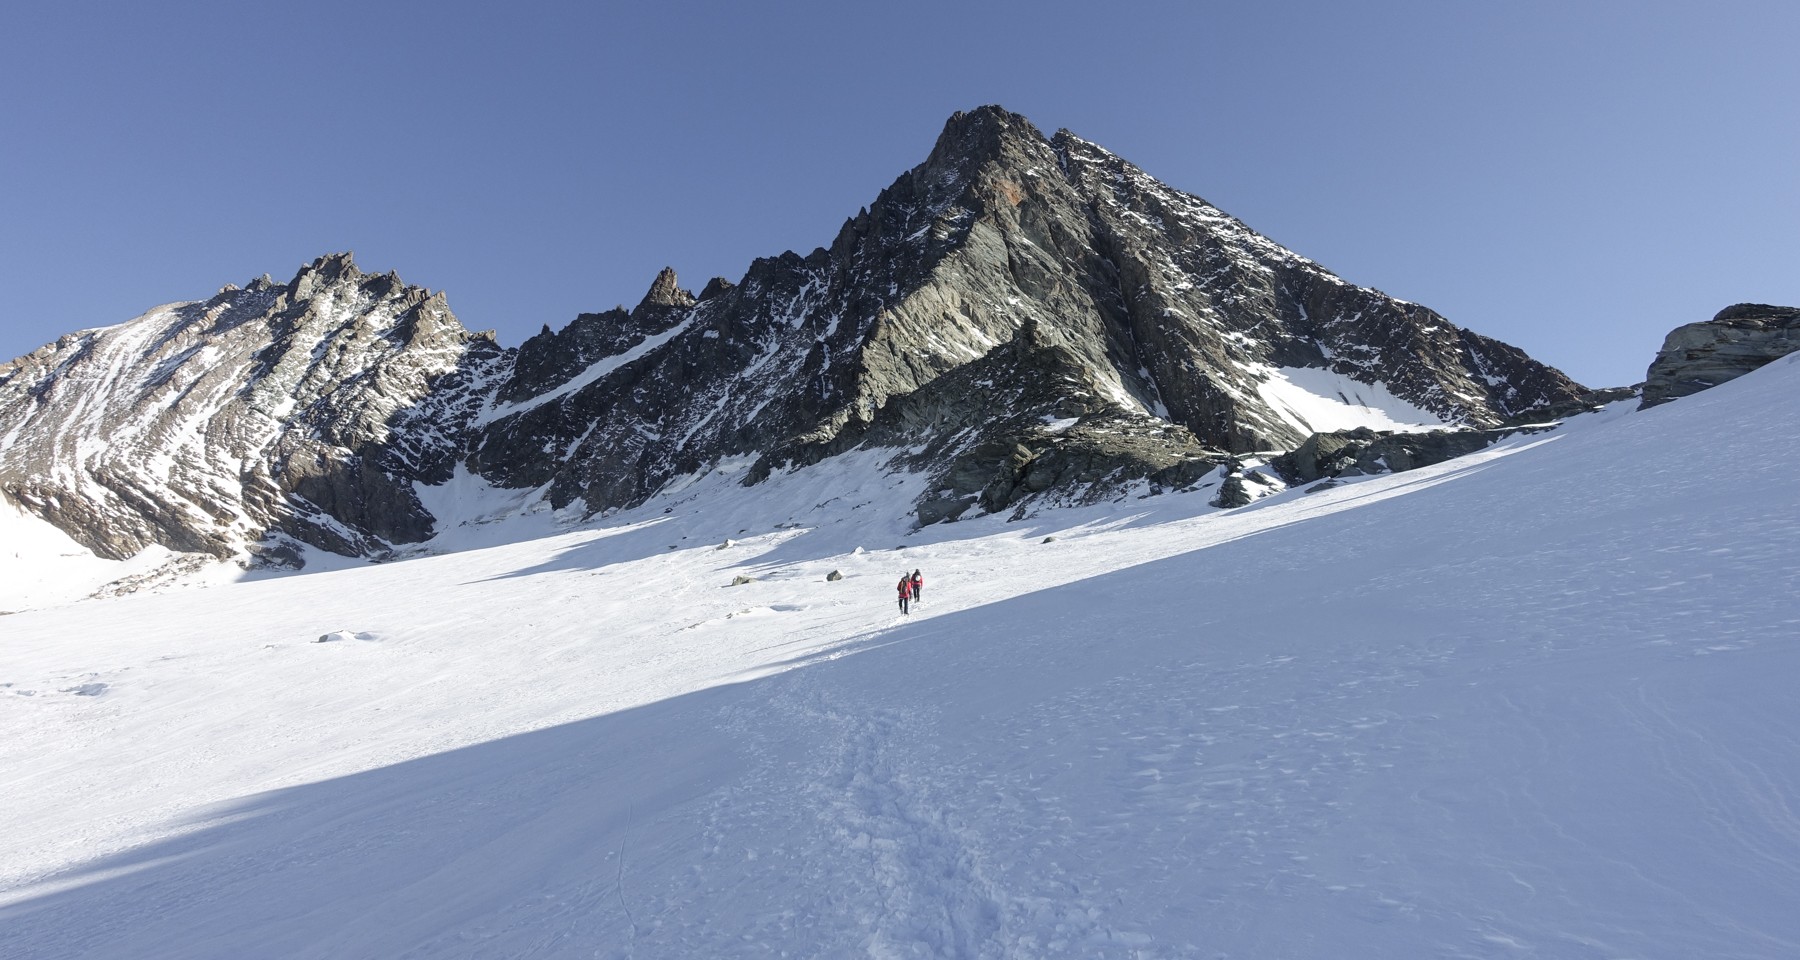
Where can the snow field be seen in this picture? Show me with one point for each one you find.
(1316, 401)
(1533, 702)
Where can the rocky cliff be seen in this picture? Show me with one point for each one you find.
(1027, 319)
(1737, 340)
(267, 414)
(1142, 306)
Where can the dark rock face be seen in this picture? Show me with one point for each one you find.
(277, 410)
(1736, 341)
(1028, 320)
(1024, 419)
(1365, 451)
(549, 360)
(1159, 310)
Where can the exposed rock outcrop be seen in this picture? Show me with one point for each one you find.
(272, 414)
(1588, 402)
(1365, 451)
(1165, 316)
(1738, 340)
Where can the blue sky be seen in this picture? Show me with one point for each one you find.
(1574, 178)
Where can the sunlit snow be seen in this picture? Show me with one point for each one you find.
(41, 566)
(1535, 702)
(1318, 400)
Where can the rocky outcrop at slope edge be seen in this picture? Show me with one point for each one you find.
(1736, 341)
(1351, 453)
(265, 415)
(1165, 311)
(1363, 451)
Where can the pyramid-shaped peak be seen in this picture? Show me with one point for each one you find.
(666, 291)
(990, 115)
(984, 132)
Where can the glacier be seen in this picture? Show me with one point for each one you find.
(1535, 701)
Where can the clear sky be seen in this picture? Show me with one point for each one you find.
(1576, 178)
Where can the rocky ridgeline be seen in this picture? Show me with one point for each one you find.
(1008, 281)
(1028, 320)
(264, 415)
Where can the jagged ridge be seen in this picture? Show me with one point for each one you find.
(271, 411)
(1174, 311)
(1027, 318)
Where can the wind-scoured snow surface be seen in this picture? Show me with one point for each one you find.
(1536, 702)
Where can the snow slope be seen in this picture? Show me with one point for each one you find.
(1531, 703)
(41, 566)
(1320, 401)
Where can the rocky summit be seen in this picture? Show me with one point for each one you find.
(1027, 319)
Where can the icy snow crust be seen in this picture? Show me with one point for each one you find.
(1532, 702)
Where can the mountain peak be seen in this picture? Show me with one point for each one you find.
(716, 286)
(333, 266)
(1014, 318)
(665, 291)
(990, 114)
(322, 272)
(983, 132)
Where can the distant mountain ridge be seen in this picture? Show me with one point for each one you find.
(1025, 318)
